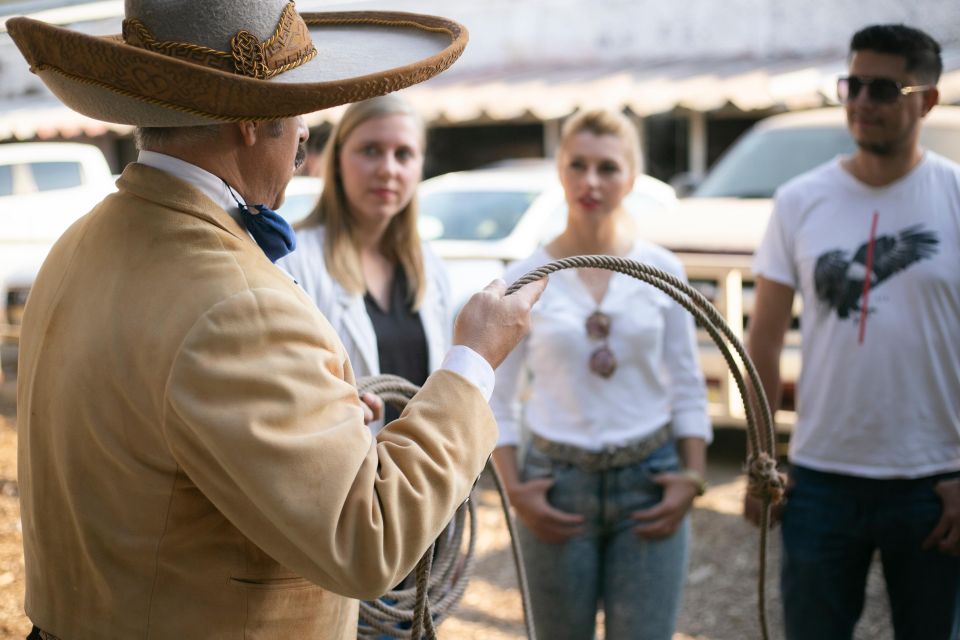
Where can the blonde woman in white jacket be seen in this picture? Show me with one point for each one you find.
(359, 255)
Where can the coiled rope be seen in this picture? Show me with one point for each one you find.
(446, 587)
(763, 481)
(442, 574)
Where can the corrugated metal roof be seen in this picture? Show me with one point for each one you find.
(551, 92)
(548, 93)
(45, 118)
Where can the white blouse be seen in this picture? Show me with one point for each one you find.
(657, 379)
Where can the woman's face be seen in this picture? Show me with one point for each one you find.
(380, 165)
(596, 173)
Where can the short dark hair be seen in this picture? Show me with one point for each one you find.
(921, 51)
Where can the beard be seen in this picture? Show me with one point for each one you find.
(877, 148)
(897, 142)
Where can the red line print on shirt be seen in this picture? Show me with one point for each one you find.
(866, 281)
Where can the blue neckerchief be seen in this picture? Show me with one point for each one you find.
(272, 233)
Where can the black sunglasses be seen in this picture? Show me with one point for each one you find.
(882, 90)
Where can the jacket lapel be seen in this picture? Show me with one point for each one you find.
(356, 323)
(432, 316)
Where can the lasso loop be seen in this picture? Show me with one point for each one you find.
(763, 480)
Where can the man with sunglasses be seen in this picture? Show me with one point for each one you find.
(871, 242)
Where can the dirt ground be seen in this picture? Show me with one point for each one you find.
(720, 601)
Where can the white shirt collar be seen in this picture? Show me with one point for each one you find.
(211, 186)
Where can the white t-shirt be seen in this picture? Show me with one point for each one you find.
(887, 404)
(657, 380)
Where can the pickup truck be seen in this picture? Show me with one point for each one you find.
(44, 188)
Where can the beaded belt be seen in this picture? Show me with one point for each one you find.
(609, 457)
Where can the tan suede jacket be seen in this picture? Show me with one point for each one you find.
(193, 461)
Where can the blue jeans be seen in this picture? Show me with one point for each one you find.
(832, 524)
(638, 581)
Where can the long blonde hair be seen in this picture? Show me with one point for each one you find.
(401, 240)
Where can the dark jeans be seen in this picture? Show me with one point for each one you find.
(832, 525)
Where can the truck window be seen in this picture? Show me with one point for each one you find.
(764, 159)
(56, 175)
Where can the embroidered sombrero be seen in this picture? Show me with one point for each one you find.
(183, 62)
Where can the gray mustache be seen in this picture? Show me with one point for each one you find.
(301, 156)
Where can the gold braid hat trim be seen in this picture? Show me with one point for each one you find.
(289, 47)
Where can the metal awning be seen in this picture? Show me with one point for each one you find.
(550, 92)
(44, 118)
(647, 89)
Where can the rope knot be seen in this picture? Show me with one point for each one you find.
(248, 58)
(763, 480)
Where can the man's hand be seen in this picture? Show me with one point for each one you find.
(753, 506)
(529, 500)
(662, 519)
(372, 407)
(492, 324)
(946, 535)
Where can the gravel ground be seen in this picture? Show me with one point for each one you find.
(719, 602)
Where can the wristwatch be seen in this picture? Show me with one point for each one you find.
(698, 480)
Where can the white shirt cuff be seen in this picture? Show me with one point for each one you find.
(692, 424)
(472, 366)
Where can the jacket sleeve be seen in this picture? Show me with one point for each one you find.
(260, 416)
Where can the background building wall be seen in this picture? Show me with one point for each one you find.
(677, 43)
(534, 32)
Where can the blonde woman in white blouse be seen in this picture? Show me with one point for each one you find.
(616, 413)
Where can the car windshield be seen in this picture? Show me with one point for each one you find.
(763, 160)
(472, 215)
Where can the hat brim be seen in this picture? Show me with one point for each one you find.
(360, 55)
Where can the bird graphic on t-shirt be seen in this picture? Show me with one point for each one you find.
(839, 281)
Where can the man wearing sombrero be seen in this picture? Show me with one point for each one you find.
(193, 460)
